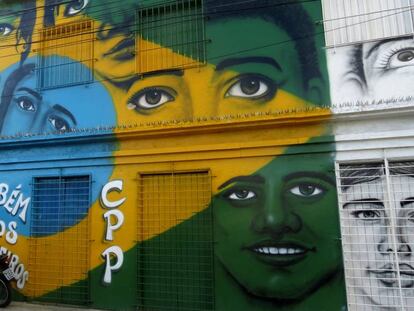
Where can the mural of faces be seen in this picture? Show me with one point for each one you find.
(381, 242)
(255, 80)
(277, 229)
(26, 110)
(366, 72)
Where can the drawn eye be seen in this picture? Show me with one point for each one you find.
(251, 86)
(367, 214)
(241, 195)
(25, 103)
(5, 29)
(58, 123)
(306, 190)
(150, 98)
(76, 7)
(401, 58)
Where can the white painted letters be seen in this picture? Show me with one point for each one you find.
(114, 219)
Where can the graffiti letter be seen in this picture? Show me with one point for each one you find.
(118, 254)
(12, 198)
(112, 227)
(115, 185)
(13, 262)
(11, 236)
(4, 188)
(2, 227)
(22, 281)
(21, 204)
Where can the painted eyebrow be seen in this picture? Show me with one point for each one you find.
(30, 91)
(376, 202)
(174, 72)
(253, 179)
(65, 111)
(310, 174)
(407, 201)
(229, 62)
(378, 44)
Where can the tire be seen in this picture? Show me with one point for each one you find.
(5, 292)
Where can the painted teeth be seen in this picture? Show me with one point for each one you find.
(278, 250)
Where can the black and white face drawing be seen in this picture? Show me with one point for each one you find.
(378, 227)
(377, 73)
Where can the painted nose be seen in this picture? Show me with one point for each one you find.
(107, 31)
(276, 220)
(387, 244)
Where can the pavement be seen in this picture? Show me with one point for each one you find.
(24, 306)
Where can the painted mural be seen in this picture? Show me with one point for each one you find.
(168, 155)
(374, 77)
(363, 75)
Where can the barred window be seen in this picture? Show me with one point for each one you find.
(376, 202)
(66, 55)
(175, 255)
(350, 21)
(170, 36)
(59, 243)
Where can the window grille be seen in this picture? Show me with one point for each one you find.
(59, 248)
(66, 56)
(171, 36)
(376, 202)
(175, 267)
(351, 21)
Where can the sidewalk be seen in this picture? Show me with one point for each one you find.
(24, 306)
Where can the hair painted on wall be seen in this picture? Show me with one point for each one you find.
(279, 13)
(25, 29)
(9, 87)
(361, 173)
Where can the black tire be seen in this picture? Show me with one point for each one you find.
(5, 292)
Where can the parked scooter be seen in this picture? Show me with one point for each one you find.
(6, 275)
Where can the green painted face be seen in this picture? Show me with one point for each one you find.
(277, 230)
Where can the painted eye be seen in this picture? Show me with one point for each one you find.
(150, 98)
(76, 7)
(241, 195)
(250, 86)
(306, 190)
(5, 29)
(25, 103)
(58, 123)
(402, 58)
(367, 214)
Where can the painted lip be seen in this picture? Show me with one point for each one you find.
(279, 254)
(123, 50)
(388, 276)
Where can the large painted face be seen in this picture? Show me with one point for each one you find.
(251, 81)
(59, 110)
(374, 272)
(277, 230)
(388, 61)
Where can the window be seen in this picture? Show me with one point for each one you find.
(376, 202)
(170, 36)
(350, 21)
(66, 56)
(175, 255)
(59, 243)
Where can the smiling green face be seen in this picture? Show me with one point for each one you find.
(277, 230)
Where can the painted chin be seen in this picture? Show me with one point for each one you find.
(279, 255)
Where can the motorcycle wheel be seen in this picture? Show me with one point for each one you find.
(5, 292)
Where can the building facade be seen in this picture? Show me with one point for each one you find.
(208, 154)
